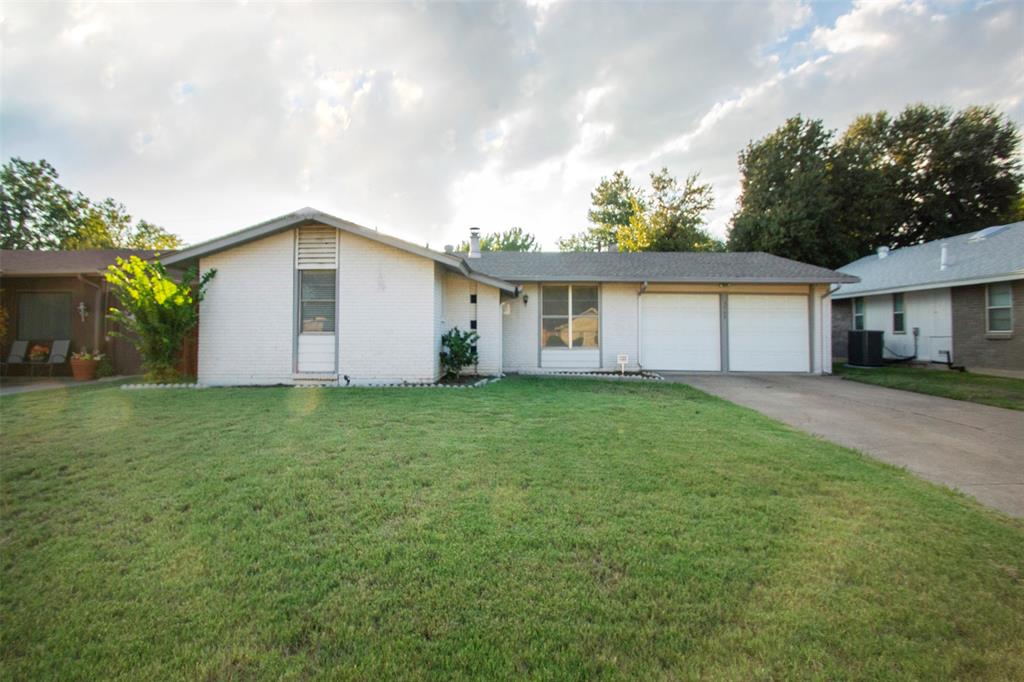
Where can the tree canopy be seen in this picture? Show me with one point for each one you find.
(669, 217)
(512, 239)
(925, 174)
(37, 212)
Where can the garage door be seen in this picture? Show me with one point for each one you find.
(680, 332)
(768, 334)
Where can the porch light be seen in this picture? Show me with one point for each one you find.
(83, 310)
(526, 299)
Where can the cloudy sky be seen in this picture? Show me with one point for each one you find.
(422, 119)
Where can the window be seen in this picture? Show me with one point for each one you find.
(1000, 307)
(44, 316)
(316, 301)
(899, 325)
(569, 317)
(858, 314)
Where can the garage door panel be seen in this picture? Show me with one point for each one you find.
(768, 333)
(680, 332)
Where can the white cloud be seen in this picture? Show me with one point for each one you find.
(423, 119)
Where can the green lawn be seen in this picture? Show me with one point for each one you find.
(554, 529)
(977, 388)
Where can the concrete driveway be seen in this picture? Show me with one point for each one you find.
(975, 448)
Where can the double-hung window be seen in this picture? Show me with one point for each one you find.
(570, 317)
(858, 313)
(316, 302)
(999, 307)
(899, 323)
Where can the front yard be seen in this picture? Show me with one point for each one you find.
(976, 388)
(557, 529)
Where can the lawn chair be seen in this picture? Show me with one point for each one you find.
(58, 355)
(16, 356)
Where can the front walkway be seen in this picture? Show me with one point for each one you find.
(15, 385)
(974, 448)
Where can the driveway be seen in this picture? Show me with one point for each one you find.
(974, 448)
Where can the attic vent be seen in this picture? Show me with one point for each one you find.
(317, 248)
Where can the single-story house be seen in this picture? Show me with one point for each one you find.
(309, 297)
(54, 295)
(958, 300)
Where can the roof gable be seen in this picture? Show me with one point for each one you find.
(309, 216)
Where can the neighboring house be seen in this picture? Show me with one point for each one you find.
(52, 295)
(312, 298)
(959, 299)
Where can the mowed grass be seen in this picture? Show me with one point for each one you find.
(976, 388)
(551, 529)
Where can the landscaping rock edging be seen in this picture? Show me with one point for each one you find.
(476, 384)
(136, 387)
(644, 375)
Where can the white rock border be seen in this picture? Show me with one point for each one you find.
(136, 387)
(644, 375)
(476, 384)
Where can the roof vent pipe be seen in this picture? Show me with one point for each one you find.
(944, 257)
(882, 252)
(474, 242)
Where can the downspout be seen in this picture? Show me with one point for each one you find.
(97, 311)
(639, 293)
(821, 328)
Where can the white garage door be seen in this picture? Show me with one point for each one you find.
(680, 331)
(768, 334)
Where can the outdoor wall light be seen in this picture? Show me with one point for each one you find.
(526, 299)
(83, 310)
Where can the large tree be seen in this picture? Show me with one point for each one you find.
(786, 204)
(669, 217)
(37, 212)
(512, 239)
(925, 174)
(614, 202)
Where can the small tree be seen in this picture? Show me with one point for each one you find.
(157, 311)
(458, 350)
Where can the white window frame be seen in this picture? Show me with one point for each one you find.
(856, 326)
(333, 301)
(902, 312)
(570, 316)
(989, 308)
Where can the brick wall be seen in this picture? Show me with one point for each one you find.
(842, 322)
(973, 347)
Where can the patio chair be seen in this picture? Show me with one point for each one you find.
(16, 356)
(58, 355)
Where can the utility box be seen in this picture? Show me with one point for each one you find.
(865, 349)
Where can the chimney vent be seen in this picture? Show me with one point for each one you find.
(944, 257)
(448, 248)
(474, 242)
(882, 251)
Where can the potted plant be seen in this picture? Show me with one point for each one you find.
(83, 364)
(38, 353)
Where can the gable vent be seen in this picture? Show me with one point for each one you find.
(316, 248)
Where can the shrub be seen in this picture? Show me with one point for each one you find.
(104, 368)
(157, 311)
(458, 350)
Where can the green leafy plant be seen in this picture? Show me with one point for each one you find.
(458, 350)
(157, 312)
(104, 368)
(84, 354)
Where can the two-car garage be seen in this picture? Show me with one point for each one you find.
(713, 332)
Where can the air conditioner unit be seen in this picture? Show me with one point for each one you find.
(865, 348)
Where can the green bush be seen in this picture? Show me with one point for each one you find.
(458, 350)
(157, 312)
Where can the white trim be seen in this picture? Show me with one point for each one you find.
(1010, 277)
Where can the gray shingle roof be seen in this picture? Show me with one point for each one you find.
(650, 267)
(85, 261)
(988, 254)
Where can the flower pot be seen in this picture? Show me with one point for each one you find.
(83, 370)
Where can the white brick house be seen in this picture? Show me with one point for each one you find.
(312, 298)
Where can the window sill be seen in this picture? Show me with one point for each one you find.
(998, 336)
